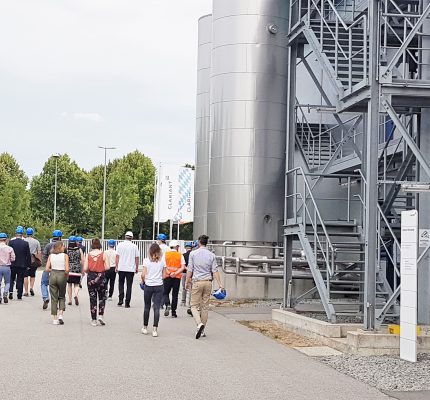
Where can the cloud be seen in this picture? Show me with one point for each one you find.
(95, 117)
(88, 116)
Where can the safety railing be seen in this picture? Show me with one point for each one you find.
(309, 216)
(400, 29)
(320, 144)
(142, 245)
(346, 35)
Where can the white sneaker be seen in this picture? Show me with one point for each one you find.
(200, 329)
(94, 322)
(144, 331)
(101, 321)
(154, 333)
(55, 322)
(203, 334)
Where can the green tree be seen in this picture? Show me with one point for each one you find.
(121, 204)
(14, 198)
(74, 194)
(130, 191)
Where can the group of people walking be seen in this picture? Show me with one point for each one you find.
(163, 271)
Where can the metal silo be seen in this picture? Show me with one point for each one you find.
(202, 125)
(247, 120)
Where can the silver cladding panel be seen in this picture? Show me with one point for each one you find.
(202, 125)
(248, 118)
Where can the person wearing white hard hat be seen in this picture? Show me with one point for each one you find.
(175, 265)
(127, 264)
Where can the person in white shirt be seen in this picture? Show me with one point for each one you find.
(127, 264)
(152, 276)
(110, 273)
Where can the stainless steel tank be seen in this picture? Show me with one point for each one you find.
(247, 119)
(202, 125)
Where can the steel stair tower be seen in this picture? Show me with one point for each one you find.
(376, 89)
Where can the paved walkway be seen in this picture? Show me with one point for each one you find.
(78, 361)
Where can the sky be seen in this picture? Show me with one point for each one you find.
(77, 74)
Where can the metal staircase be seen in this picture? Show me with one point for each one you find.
(374, 54)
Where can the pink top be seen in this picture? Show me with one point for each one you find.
(7, 255)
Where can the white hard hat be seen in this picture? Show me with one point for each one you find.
(173, 243)
(129, 234)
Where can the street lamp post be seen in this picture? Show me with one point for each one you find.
(56, 156)
(104, 189)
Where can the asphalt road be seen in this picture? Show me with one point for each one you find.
(78, 361)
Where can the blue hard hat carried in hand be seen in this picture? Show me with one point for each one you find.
(162, 236)
(19, 230)
(142, 285)
(3, 235)
(219, 294)
(30, 231)
(57, 234)
(111, 243)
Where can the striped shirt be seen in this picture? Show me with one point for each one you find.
(202, 263)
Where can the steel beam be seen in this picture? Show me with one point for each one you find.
(404, 132)
(371, 152)
(289, 165)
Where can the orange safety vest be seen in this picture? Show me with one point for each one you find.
(173, 262)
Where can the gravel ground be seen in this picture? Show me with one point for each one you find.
(384, 372)
(341, 319)
(273, 303)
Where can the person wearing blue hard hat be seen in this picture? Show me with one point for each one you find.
(57, 235)
(21, 264)
(161, 241)
(7, 257)
(110, 273)
(202, 269)
(76, 262)
(36, 261)
(188, 248)
(81, 245)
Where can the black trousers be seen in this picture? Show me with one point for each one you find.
(110, 281)
(152, 295)
(122, 277)
(17, 274)
(171, 284)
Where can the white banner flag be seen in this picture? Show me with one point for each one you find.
(175, 197)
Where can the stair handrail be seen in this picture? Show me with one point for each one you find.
(329, 253)
(381, 214)
(362, 19)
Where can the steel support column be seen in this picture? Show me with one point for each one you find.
(423, 175)
(371, 151)
(289, 164)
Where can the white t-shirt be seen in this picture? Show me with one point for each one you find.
(58, 262)
(111, 256)
(154, 274)
(127, 252)
(164, 247)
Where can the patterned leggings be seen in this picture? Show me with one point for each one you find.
(96, 283)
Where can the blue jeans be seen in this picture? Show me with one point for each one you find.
(5, 274)
(44, 285)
